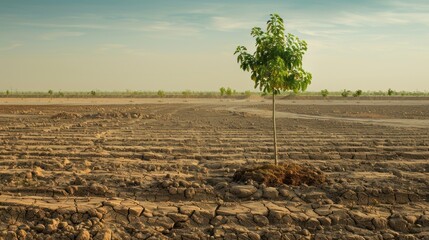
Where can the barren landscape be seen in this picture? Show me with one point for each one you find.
(162, 169)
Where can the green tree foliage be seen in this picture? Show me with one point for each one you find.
(186, 93)
(222, 91)
(345, 93)
(7, 92)
(50, 92)
(93, 93)
(390, 92)
(324, 92)
(276, 65)
(228, 91)
(358, 93)
(160, 93)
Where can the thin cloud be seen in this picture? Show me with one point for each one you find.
(133, 25)
(230, 24)
(12, 46)
(374, 19)
(57, 35)
(165, 27)
(326, 33)
(382, 18)
(410, 6)
(54, 25)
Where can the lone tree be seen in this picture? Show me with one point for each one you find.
(276, 65)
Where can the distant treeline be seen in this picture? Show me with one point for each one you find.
(222, 93)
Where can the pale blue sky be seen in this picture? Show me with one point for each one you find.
(177, 45)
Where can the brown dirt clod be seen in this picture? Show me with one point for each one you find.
(286, 173)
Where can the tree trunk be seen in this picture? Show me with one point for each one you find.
(274, 130)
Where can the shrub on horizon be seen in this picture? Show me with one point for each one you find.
(160, 93)
(345, 93)
(358, 93)
(324, 92)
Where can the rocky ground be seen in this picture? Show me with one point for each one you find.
(162, 169)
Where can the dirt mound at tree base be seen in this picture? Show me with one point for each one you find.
(285, 173)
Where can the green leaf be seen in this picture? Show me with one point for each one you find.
(276, 65)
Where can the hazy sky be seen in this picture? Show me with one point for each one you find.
(184, 44)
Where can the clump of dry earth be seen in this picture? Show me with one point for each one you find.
(285, 173)
(165, 171)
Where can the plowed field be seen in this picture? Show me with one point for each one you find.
(162, 169)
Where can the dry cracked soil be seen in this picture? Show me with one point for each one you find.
(162, 169)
